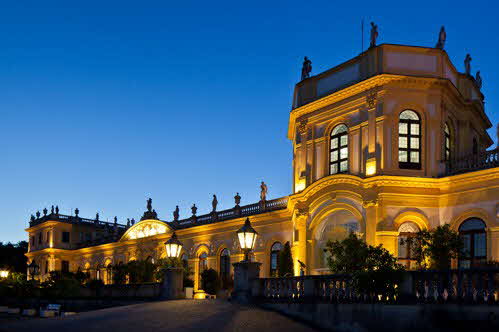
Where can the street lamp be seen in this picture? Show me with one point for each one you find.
(4, 274)
(173, 282)
(247, 238)
(33, 269)
(173, 247)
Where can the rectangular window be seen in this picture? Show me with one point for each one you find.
(64, 266)
(297, 235)
(65, 237)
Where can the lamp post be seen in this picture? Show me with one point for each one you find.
(247, 238)
(33, 269)
(173, 283)
(246, 271)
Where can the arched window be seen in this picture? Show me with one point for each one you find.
(275, 250)
(338, 150)
(409, 140)
(225, 268)
(447, 142)
(473, 235)
(406, 257)
(203, 264)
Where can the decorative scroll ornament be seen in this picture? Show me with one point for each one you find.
(371, 99)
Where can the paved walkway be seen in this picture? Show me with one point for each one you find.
(182, 316)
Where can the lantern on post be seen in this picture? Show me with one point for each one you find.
(247, 238)
(33, 269)
(173, 247)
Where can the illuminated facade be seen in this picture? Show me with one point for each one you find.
(385, 144)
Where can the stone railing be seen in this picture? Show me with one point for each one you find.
(473, 286)
(475, 162)
(235, 212)
(72, 219)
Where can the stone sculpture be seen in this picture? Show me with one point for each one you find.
(263, 191)
(214, 203)
(306, 69)
(442, 36)
(374, 34)
(467, 64)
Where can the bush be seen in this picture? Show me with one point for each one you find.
(285, 266)
(435, 249)
(374, 270)
(210, 281)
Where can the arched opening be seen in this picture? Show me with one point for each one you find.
(474, 236)
(275, 251)
(407, 234)
(336, 226)
(338, 150)
(409, 140)
(225, 268)
(202, 265)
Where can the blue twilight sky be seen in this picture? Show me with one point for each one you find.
(104, 104)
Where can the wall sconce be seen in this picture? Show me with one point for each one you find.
(371, 166)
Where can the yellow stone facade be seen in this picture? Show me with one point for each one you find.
(381, 193)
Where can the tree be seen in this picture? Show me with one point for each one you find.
(374, 270)
(285, 266)
(12, 256)
(436, 248)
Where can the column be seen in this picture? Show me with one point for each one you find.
(299, 249)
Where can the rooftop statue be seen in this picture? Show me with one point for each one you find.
(467, 64)
(57, 209)
(237, 199)
(149, 205)
(154, 214)
(194, 209)
(374, 34)
(478, 79)
(52, 210)
(442, 36)
(115, 220)
(176, 214)
(214, 203)
(32, 218)
(38, 214)
(127, 222)
(263, 191)
(306, 69)
(77, 212)
(45, 211)
(97, 216)
(133, 221)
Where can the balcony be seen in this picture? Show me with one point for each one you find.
(471, 163)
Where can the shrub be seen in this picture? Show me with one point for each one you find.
(285, 266)
(374, 270)
(210, 281)
(434, 249)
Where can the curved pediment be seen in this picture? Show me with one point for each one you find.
(145, 228)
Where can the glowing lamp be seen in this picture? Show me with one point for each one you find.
(247, 238)
(33, 269)
(173, 247)
(371, 166)
(4, 274)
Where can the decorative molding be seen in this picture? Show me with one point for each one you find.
(371, 99)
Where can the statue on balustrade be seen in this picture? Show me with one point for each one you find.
(97, 216)
(237, 199)
(442, 36)
(37, 214)
(194, 209)
(115, 220)
(214, 203)
(306, 69)
(77, 212)
(263, 191)
(133, 221)
(374, 34)
(32, 218)
(127, 222)
(478, 79)
(176, 213)
(52, 210)
(57, 209)
(149, 205)
(45, 211)
(467, 64)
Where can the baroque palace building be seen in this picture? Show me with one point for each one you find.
(386, 144)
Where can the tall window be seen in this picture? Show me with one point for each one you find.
(225, 268)
(202, 266)
(409, 140)
(275, 250)
(447, 142)
(338, 151)
(405, 252)
(473, 235)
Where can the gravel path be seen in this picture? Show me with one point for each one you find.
(181, 315)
